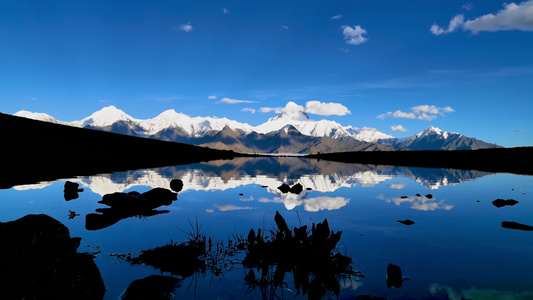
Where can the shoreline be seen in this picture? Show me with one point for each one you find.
(34, 151)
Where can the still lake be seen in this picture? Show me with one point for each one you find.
(456, 248)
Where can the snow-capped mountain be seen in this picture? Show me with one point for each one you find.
(433, 138)
(191, 126)
(38, 116)
(292, 114)
(107, 116)
(291, 130)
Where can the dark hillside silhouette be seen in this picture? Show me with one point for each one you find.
(33, 151)
(508, 160)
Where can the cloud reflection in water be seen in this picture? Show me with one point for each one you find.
(419, 203)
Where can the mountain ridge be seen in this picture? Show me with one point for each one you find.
(307, 136)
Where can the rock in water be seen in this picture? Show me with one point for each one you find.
(152, 287)
(394, 276)
(501, 203)
(176, 185)
(406, 222)
(517, 226)
(39, 260)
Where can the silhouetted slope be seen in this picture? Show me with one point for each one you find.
(34, 150)
(511, 160)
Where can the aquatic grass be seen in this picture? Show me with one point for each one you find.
(308, 252)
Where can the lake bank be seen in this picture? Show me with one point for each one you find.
(501, 160)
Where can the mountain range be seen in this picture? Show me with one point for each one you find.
(291, 131)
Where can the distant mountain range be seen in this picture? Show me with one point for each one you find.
(291, 132)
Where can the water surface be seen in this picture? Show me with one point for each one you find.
(455, 248)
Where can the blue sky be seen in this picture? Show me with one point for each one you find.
(398, 66)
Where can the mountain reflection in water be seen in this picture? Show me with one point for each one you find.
(272, 172)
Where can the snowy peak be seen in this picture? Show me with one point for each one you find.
(291, 112)
(167, 119)
(107, 116)
(433, 138)
(430, 131)
(37, 116)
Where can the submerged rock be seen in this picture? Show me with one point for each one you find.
(501, 202)
(517, 226)
(105, 217)
(406, 222)
(152, 287)
(126, 205)
(39, 260)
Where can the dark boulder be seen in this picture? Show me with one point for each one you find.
(39, 260)
(517, 226)
(297, 189)
(126, 205)
(394, 276)
(284, 188)
(134, 201)
(176, 185)
(501, 202)
(71, 190)
(406, 222)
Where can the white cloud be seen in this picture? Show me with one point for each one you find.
(398, 128)
(468, 6)
(431, 109)
(326, 109)
(34, 98)
(512, 17)
(336, 17)
(284, 27)
(270, 109)
(183, 27)
(354, 35)
(421, 112)
(249, 110)
(212, 97)
(234, 101)
(455, 23)
(225, 11)
(312, 107)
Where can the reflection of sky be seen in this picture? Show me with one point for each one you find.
(475, 293)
